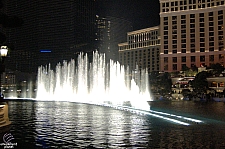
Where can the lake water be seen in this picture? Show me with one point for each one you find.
(73, 125)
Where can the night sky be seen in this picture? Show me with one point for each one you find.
(142, 13)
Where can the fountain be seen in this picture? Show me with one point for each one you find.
(97, 82)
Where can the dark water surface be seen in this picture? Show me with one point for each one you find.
(73, 125)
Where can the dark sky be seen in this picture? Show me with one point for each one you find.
(142, 13)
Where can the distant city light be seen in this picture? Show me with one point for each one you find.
(45, 51)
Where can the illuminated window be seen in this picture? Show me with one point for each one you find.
(221, 84)
(213, 84)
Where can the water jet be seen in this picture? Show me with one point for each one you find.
(93, 82)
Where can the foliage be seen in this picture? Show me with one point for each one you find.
(186, 93)
(217, 68)
(185, 68)
(160, 82)
(200, 83)
(190, 73)
(194, 68)
(165, 82)
(175, 74)
(153, 76)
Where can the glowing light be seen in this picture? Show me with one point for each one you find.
(45, 51)
(94, 82)
(177, 116)
(101, 84)
(168, 116)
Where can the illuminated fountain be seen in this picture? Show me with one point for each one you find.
(94, 83)
(110, 85)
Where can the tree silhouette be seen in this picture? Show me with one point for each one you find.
(200, 83)
(217, 68)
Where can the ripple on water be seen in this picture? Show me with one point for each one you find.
(72, 125)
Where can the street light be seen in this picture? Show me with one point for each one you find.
(3, 54)
(4, 51)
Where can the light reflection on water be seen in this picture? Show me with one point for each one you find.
(72, 125)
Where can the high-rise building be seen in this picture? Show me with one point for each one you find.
(110, 32)
(64, 28)
(192, 33)
(142, 49)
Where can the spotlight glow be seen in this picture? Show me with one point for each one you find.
(166, 116)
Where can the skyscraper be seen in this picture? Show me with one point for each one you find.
(192, 33)
(110, 32)
(63, 28)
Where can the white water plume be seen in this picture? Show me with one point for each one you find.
(95, 82)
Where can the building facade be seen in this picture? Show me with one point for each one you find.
(142, 48)
(63, 27)
(217, 83)
(192, 33)
(110, 32)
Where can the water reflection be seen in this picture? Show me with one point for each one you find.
(87, 125)
(72, 125)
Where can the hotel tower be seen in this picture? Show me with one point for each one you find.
(142, 49)
(192, 33)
